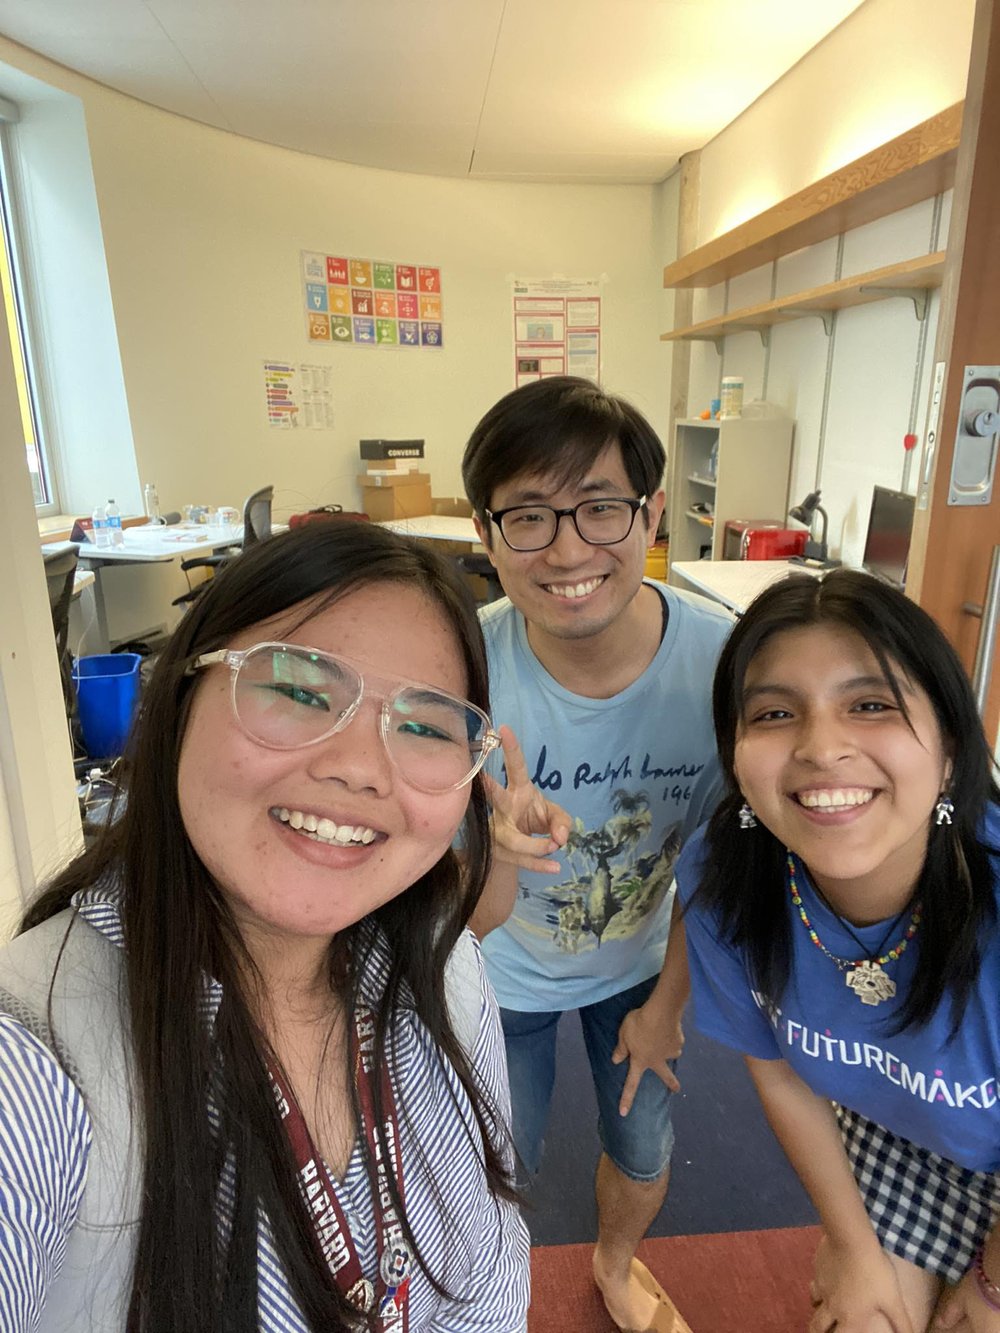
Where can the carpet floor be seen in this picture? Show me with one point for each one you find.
(735, 1282)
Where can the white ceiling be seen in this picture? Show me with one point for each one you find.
(546, 90)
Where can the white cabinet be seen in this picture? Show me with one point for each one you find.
(745, 477)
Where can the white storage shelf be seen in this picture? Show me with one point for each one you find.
(751, 480)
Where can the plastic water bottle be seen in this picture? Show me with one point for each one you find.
(114, 524)
(102, 534)
(152, 502)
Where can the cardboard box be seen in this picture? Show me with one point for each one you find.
(374, 450)
(452, 506)
(403, 495)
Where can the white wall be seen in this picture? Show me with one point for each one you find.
(854, 396)
(202, 232)
(180, 246)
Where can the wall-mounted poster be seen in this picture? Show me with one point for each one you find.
(557, 328)
(371, 303)
(298, 395)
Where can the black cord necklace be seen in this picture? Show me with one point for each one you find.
(867, 953)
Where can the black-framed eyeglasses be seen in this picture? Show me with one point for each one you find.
(602, 521)
(287, 696)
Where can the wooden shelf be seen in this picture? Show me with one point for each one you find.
(917, 165)
(911, 278)
(701, 481)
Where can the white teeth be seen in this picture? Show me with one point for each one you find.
(325, 830)
(575, 589)
(835, 798)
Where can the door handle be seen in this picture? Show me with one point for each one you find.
(986, 648)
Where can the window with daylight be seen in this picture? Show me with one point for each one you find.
(16, 301)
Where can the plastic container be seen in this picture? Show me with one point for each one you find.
(114, 523)
(102, 535)
(107, 692)
(152, 502)
(732, 396)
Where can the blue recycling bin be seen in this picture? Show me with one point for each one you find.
(107, 693)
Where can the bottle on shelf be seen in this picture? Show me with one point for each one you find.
(152, 502)
(102, 534)
(117, 537)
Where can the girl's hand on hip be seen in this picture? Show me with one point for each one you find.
(962, 1309)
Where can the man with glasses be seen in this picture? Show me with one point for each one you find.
(605, 679)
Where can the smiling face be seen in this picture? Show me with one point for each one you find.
(572, 590)
(303, 843)
(834, 769)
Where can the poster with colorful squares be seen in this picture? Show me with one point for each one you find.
(371, 302)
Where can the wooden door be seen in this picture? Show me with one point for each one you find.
(953, 545)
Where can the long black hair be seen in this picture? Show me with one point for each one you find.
(743, 880)
(179, 930)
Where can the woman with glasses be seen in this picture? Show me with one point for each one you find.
(251, 1073)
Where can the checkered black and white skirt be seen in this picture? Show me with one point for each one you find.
(923, 1207)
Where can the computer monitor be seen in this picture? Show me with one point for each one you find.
(887, 545)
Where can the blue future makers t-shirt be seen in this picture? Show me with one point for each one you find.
(636, 773)
(940, 1095)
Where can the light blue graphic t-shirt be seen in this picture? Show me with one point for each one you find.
(636, 773)
(940, 1093)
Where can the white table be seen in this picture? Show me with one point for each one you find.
(152, 544)
(735, 583)
(435, 527)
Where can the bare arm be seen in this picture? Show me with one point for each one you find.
(855, 1286)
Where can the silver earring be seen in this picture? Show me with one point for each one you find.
(944, 810)
(747, 817)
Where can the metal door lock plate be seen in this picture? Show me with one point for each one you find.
(977, 437)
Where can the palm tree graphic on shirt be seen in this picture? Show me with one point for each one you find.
(612, 890)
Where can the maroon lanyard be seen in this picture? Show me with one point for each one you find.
(330, 1225)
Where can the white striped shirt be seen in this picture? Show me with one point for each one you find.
(480, 1254)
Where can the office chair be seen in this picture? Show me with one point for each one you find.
(256, 528)
(479, 564)
(60, 572)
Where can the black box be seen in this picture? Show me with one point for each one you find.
(386, 449)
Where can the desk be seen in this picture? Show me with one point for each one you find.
(435, 527)
(150, 545)
(735, 583)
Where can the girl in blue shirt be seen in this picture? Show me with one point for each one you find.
(842, 928)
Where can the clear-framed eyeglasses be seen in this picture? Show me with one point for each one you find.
(602, 521)
(286, 696)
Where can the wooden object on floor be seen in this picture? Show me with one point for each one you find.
(914, 166)
(734, 1282)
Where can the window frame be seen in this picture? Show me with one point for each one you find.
(21, 271)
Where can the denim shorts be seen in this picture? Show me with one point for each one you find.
(638, 1144)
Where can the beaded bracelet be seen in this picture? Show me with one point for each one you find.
(988, 1289)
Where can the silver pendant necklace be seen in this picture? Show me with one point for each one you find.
(865, 976)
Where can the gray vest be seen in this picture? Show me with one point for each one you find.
(92, 1287)
(89, 1032)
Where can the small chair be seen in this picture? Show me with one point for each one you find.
(60, 573)
(256, 528)
(479, 564)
